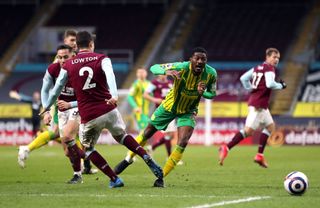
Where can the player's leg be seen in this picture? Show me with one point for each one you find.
(69, 126)
(140, 140)
(96, 158)
(170, 133)
(87, 167)
(142, 121)
(186, 124)
(168, 137)
(265, 134)
(161, 141)
(114, 123)
(45, 137)
(159, 121)
(131, 144)
(35, 124)
(90, 133)
(184, 134)
(41, 140)
(251, 124)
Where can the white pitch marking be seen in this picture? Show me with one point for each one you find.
(222, 203)
(121, 195)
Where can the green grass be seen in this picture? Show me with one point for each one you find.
(200, 181)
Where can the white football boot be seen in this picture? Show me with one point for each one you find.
(23, 155)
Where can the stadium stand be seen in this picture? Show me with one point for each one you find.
(237, 31)
(10, 19)
(298, 60)
(117, 26)
(230, 88)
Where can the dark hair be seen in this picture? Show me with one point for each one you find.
(83, 39)
(64, 46)
(198, 50)
(70, 32)
(269, 51)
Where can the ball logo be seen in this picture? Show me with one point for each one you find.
(296, 183)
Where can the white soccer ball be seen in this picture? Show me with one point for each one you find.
(296, 183)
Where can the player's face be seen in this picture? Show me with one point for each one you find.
(71, 41)
(36, 95)
(63, 55)
(142, 74)
(273, 59)
(198, 61)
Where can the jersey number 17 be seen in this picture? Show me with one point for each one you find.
(256, 77)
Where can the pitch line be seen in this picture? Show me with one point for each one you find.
(115, 196)
(222, 203)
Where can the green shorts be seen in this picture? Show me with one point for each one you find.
(161, 118)
(55, 114)
(142, 120)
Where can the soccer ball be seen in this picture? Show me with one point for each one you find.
(296, 183)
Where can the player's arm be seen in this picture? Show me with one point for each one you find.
(64, 105)
(15, 95)
(271, 83)
(245, 79)
(55, 92)
(148, 94)
(130, 98)
(211, 89)
(110, 78)
(25, 98)
(73, 104)
(170, 69)
(21, 97)
(47, 84)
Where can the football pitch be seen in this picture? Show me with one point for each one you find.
(199, 183)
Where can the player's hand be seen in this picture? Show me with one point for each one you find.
(137, 110)
(174, 73)
(63, 105)
(14, 94)
(43, 112)
(157, 100)
(284, 85)
(47, 118)
(112, 101)
(201, 87)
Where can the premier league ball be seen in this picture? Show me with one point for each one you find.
(296, 183)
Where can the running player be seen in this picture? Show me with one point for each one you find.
(260, 80)
(92, 78)
(43, 139)
(193, 80)
(53, 134)
(156, 92)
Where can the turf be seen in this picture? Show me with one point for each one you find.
(198, 182)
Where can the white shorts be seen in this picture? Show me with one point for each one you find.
(64, 116)
(90, 131)
(258, 117)
(172, 127)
